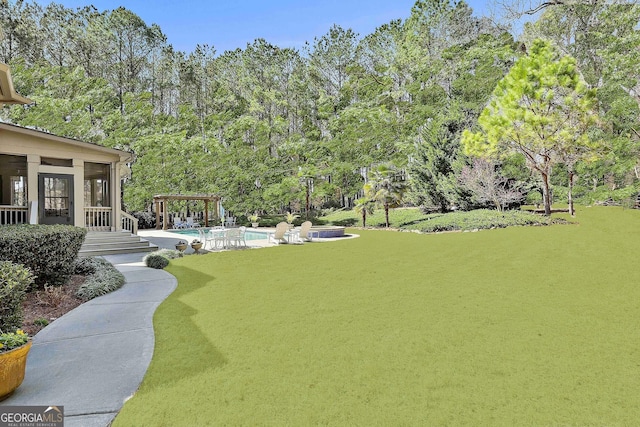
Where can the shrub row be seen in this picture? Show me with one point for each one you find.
(48, 251)
(102, 277)
(15, 279)
(619, 196)
(481, 219)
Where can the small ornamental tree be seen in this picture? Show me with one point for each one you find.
(386, 187)
(364, 206)
(541, 109)
(488, 186)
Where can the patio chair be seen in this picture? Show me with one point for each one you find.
(230, 221)
(235, 237)
(281, 234)
(178, 223)
(190, 223)
(304, 233)
(202, 236)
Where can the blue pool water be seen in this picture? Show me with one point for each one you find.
(248, 235)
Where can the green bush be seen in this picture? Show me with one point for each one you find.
(414, 219)
(103, 279)
(41, 321)
(84, 266)
(15, 279)
(533, 198)
(169, 253)
(398, 218)
(480, 219)
(154, 260)
(604, 194)
(48, 251)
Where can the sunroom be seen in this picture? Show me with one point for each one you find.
(48, 179)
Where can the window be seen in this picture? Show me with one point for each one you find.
(50, 161)
(96, 185)
(19, 191)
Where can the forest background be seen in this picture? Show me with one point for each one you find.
(264, 126)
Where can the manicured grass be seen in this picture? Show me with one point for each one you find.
(515, 326)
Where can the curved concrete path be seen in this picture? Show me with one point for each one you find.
(94, 357)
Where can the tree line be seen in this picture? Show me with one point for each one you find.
(275, 129)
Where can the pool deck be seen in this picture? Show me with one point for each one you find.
(168, 239)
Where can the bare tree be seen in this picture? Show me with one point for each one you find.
(517, 9)
(488, 186)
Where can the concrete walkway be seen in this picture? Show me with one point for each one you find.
(93, 358)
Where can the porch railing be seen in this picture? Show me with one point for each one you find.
(14, 215)
(129, 222)
(97, 218)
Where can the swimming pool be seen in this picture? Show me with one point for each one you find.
(321, 231)
(248, 235)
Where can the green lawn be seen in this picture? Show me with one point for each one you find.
(516, 326)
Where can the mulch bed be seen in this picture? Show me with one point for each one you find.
(45, 306)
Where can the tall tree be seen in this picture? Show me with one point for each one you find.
(131, 42)
(19, 33)
(540, 106)
(431, 170)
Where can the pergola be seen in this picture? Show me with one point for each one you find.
(161, 201)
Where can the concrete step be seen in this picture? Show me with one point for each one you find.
(106, 243)
(117, 251)
(123, 240)
(115, 244)
(94, 235)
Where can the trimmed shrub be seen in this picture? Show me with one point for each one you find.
(48, 251)
(169, 253)
(105, 278)
(156, 261)
(84, 266)
(15, 279)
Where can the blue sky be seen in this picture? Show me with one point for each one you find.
(231, 24)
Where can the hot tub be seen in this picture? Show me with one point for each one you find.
(326, 231)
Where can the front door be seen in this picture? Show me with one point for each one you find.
(55, 194)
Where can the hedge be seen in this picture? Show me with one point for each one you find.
(48, 251)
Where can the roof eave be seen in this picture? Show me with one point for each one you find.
(8, 95)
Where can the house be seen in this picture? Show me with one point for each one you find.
(48, 179)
